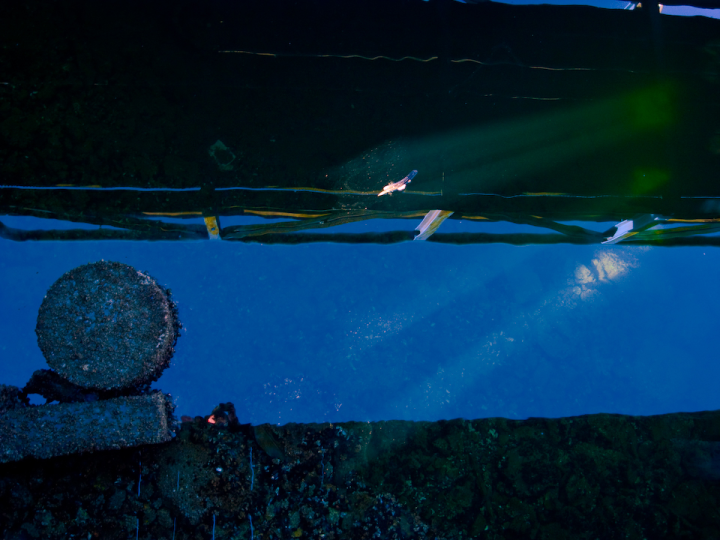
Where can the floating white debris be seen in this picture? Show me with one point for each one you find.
(400, 185)
(630, 227)
(430, 223)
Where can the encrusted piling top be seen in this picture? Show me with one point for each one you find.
(106, 325)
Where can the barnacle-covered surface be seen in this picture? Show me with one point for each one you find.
(11, 397)
(606, 476)
(106, 325)
(67, 428)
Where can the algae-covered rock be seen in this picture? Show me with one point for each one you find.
(596, 476)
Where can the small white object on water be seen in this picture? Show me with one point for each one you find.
(400, 185)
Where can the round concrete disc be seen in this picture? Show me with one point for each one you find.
(107, 326)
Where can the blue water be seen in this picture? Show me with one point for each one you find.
(417, 331)
(686, 11)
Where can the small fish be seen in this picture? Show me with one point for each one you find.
(400, 185)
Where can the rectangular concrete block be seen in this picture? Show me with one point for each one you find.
(54, 430)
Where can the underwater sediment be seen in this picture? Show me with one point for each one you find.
(596, 476)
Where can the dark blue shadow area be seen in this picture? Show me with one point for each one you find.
(417, 331)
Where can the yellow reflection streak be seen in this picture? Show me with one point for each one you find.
(414, 58)
(273, 213)
(304, 55)
(172, 214)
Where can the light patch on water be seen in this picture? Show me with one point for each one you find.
(604, 267)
